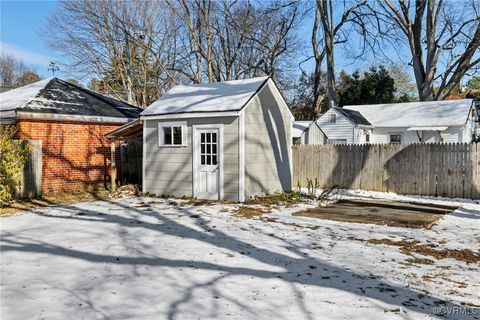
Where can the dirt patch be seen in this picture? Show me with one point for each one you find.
(410, 247)
(51, 200)
(129, 190)
(201, 202)
(390, 213)
(248, 212)
(419, 261)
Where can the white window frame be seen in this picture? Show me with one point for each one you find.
(196, 153)
(161, 142)
(332, 118)
(395, 133)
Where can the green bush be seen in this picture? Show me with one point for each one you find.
(12, 159)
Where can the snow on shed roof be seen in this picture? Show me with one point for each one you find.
(410, 114)
(298, 127)
(207, 97)
(58, 97)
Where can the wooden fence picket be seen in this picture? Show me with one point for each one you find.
(443, 169)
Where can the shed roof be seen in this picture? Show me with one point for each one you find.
(416, 114)
(57, 97)
(298, 127)
(207, 97)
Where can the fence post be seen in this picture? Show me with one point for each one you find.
(31, 180)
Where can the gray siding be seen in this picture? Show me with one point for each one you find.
(342, 129)
(169, 170)
(268, 140)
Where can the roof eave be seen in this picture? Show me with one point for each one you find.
(185, 115)
(71, 117)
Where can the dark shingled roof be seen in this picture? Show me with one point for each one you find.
(354, 116)
(63, 98)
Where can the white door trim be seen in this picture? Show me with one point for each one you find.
(241, 156)
(195, 157)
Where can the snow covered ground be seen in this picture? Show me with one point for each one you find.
(146, 258)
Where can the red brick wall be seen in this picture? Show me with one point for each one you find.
(75, 154)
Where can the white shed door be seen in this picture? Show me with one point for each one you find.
(207, 162)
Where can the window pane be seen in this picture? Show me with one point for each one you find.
(209, 160)
(214, 137)
(395, 138)
(214, 149)
(202, 148)
(177, 136)
(202, 159)
(167, 135)
(214, 160)
(332, 118)
(202, 137)
(208, 137)
(209, 149)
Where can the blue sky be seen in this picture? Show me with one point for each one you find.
(20, 24)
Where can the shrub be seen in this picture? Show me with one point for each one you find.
(12, 159)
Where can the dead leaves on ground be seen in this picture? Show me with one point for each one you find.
(410, 246)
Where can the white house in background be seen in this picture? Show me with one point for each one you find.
(341, 125)
(226, 140)
(412, 122)
(307, 132)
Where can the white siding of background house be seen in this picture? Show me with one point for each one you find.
(308, 132)
(314, 135)
(343, 128)
(452, 134)
(457, 118)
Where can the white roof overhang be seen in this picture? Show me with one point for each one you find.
(191, 115)
(432, 128)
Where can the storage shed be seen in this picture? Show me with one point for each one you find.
(227, 140)
(308, 132)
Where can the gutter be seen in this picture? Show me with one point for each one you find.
(68, 117)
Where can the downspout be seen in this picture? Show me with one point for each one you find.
(440, 136)
(420, 137)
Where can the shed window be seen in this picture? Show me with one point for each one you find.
(332, 118)
(395, 138)
(172, 134)
(367, 137)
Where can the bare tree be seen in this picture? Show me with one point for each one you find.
(139, 49)
(15, 73)
(331, 28)
(123, 43)
(233, 39)
(443, 39)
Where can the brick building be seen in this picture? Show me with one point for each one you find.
(70, 122)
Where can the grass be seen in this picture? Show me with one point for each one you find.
(15, 206)
(278, 199)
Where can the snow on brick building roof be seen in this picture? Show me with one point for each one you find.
(207, 97)
(427, 113)
(54, 96)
